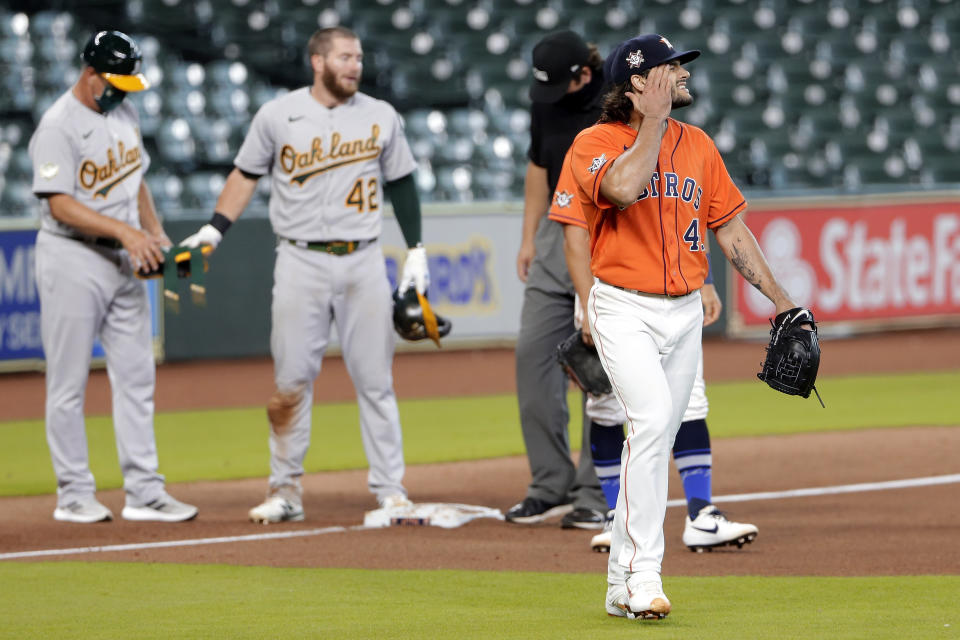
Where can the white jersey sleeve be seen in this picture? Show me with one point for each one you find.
(54, 155)
(256, 152)
(397, 159)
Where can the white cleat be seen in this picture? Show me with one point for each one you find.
(711, 529)
(602, 541)
(616, 602)
(395, 501)
(645, 597)
(276, 509)
(83, 512)
(166, 508)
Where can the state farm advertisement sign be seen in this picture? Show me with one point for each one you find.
(877, 265)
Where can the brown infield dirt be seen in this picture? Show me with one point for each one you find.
(904, 531)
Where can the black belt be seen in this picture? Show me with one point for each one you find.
(333, 247)
(647, 293)
(106, 243)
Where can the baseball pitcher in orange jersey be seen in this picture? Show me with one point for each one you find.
(650, 187)
(705, 526)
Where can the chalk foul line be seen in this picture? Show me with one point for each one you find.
(906, 483)
(137, 546)
(740, 497)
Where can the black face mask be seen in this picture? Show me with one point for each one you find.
(110, 98)
(586, 96)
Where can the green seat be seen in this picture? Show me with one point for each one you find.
(786, 177)
(867, 169)
(810, 21)
(836, 46)
(414, 85)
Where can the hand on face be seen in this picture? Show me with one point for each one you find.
(655, 97)
(663, 89)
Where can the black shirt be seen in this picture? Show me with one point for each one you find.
(554, 126)
(552, 130)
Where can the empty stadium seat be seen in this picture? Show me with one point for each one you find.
(786, 87)
(201, 189)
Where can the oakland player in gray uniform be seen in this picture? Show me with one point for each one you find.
(98, 227)
(329, 151)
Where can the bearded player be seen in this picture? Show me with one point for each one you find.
(706, 526)
(330, 150)
(650, 187)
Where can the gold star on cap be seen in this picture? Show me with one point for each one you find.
(635, 59)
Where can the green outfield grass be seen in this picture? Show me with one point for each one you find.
(218, 445)
(107, 600)
(126, 600)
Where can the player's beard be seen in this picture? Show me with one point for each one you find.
(682, 100)
(329, 80)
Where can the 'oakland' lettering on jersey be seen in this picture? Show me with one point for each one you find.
(690, 191)
(346, 152)
(342, 145)
(90, 173)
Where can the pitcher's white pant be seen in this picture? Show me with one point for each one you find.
(311, 290)
(87, 292)
(650, 347)
(606, 410)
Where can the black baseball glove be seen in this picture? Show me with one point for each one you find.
(793, 355)
(582, 364)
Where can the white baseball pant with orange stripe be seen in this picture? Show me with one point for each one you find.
(650, 347)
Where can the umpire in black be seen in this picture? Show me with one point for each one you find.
(567, 97)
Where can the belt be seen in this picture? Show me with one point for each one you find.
(333, 247)
(646, 293)
(106, 243)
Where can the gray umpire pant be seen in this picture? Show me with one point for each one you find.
(546, 320)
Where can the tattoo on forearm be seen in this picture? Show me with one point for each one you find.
(742, 264)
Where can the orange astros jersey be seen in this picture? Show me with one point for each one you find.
(657, 243)
(565, 208)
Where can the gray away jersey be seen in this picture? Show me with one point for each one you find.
(97, 159)
(327, 166)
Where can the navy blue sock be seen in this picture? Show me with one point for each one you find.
(691, 453)
(606, 445)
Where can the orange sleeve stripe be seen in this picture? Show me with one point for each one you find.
(737, 209)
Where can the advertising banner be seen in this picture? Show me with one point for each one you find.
(21, 346)
(865, 266)
(19, 302)
(473, 275)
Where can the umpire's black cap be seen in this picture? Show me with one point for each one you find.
(638, 54)
(557, 59)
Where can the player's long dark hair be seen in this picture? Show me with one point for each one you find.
(617, 107)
